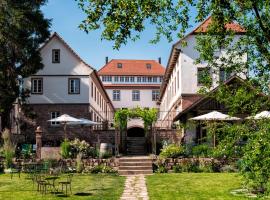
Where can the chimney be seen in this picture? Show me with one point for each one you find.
(106, 60)
(159, 60)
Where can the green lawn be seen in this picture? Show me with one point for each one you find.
(189, 186)
(83, 187)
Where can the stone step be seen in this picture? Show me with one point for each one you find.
(132, 172)
(147, 163)
(126, 159)
(135, 168)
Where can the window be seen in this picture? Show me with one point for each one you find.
(56, 56)
(74, 86)
(155, 95)
(202, 75)
(92, 88)
(54, 115)
(154, 79)
(119, 65)
(127, 79)
(139, 79)
(148, 65)
(144, 79)
(149, 79)
(177, 80)
(135, 95)
(116, 79)
(122, 78)
(224, 75)
(160, 79)
(37, 86)
(132, 79)
(116, 95)
(107, 78)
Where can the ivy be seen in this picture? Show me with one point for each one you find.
(149, 117)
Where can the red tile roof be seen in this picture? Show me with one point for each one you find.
(132, 67)
(202, 28)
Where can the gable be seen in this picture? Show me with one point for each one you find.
(70, 62)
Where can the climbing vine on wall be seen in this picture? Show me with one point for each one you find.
(149, 117)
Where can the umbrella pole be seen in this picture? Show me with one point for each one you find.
(65, 130)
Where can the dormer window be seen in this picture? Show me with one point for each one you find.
(56, 56)
(119, 65)
(148, 66)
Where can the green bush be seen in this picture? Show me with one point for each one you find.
(202, 150)
(206, 166)
(8, 148)
(190, 166)
(161, 169)
(101, 169)
(177, 168)
(229, 168)
(172, 151)
(65, 149)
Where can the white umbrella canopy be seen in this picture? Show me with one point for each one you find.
(262, 115)
(84, 122)
(215, 116)
(65, 119)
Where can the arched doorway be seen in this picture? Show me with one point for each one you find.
(135, 132)
(136, 141)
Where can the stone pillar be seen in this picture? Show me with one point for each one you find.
(38, 132)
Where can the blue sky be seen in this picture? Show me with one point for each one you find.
(66, 16)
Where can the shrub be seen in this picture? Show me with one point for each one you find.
(228, 168)
(190, 166)
(206, 166)
(8, 148)
(177, 168)
(160, 166)
(65, 149)
(172, 151)
(101, 169)
(202, 150)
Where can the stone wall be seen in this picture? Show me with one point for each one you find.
(50, 153)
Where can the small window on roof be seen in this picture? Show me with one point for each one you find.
(119, 65)
(148, 65)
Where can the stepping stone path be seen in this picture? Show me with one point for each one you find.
(135, 188)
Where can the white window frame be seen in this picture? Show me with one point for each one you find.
(37, 86)
(55, 114)
(54, 51)
(73, 86)
(116, 95)
(135, 95)
(155, 95)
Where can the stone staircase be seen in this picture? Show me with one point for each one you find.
(136, 146)
(131, 165)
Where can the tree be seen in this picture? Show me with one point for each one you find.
(22, 29)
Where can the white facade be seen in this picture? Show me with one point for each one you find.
(183, 79)
(126, 101)
(56, 75)
(57, 88)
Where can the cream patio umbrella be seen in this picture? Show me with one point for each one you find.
(213, 117)
(84, 122)
(262, 115)
(65, 119)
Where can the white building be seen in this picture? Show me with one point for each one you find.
(68, 85)
(132, 83)
(182, 81)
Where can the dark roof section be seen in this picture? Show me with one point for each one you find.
(230, 80)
